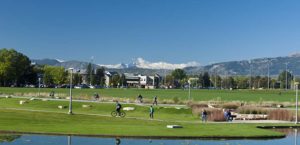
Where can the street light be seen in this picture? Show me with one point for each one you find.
(286, 81)
(71, 78)
(296, 85)
(39, 86)
(189, 81)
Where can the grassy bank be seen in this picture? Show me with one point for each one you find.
(163, 95)
(38, 122)
(44, 117)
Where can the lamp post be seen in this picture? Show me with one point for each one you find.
(268, 75)
(189, 81)
(286, 81)
(39, 86)
(296, 118)
(70, 104)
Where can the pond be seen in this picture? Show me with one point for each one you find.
(291, 139)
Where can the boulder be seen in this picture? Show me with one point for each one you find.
(62, 107)
(23, 102)
(174, 126)
(128, 108)
(86, 106)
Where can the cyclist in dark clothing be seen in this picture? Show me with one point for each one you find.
(140, 98)
(118, 108)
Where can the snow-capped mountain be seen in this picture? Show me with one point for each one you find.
(141, 63)
(257, 66)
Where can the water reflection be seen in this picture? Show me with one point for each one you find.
(291, 139)
(69, 140)
(296, 135)
(118, 141)
(8, 138)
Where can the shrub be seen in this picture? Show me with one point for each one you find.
(195, 105)
(176, 100)
(251, 110)
(280, 114)
(215, 115)
(230, 106)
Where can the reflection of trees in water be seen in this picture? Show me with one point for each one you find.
(8, 138)
(118, 141)
(287, 131)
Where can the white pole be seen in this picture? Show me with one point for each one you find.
(189, 89)
(69, 140)
(296, 134)
(70, 104)
(286, 82)
(296, 118)
(268, 76)
(39, 86)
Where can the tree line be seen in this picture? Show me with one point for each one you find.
(16, 69)
(179, 79)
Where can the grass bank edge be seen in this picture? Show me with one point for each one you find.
(124, 127)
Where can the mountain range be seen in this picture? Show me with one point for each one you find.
(259, 66)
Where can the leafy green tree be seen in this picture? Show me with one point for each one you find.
(170, 80)
(90, 74)
(15, 68)
(282, 79)
(122, 80)
(99, 76)
(206, 80)
(54, 75)
(115, 80)
(242, 82)
(179, 75)
(77, 79)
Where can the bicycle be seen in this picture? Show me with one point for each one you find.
(115, 114)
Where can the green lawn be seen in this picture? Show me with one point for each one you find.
(37, 122)
(45, 117)
(164, 113)
(198, 95)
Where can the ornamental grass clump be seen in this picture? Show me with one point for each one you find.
(215, 115)
(252, 110)
(281, 114)
(231, 106)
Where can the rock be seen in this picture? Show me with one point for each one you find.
(279, 106)
(174, 126)
(32, 99)
(45, 100)
(86, 106)
(23, 102)
(62, 107)
(128, 108)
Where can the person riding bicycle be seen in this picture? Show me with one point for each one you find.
(118, 108)
(140, 98)
(96, 97)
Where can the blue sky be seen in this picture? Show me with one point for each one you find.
(175, 31)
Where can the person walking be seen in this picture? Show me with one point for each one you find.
(155, 100)
(204, 115)
(151, 112)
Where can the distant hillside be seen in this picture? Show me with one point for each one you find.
(259, 66)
